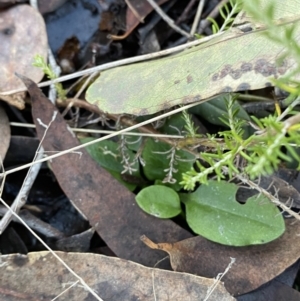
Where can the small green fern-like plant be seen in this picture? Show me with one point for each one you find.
(227, 12)
(262, 152)
(233, 152)
(40, 63)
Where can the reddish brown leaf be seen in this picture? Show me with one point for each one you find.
(136, 12)
(254, 265)
(40, 276)
(7, 3)
(48, 6)
(107, 204)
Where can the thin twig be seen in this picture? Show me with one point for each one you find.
(218, 279)
(167, 19)
(63, 292)
(197, 17)
(213, 14)
(33, 171)
(53, 253)
(102, 138)
(21, 198)
(183, 16)
(85, 84)
(134, 11)
(129, 122)
(267, 194)
(118, 63)
(154, 135)
(289, 109)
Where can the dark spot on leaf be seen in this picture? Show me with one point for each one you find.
(236, 74)
(265, 68)
(8, 31)
(282, 68)
(20, 260)
(189, 79)
(176, 82)
(246, 67)
(268, 84)
(226, 90)
(197, 97)
(243, 87)
(165, 106)
(186, 99)
(215, 77)
(144, 112)
(246, 29)
(225, 71)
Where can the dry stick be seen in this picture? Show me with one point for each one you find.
(118, 63)
(102, 138)
(197, 17)
(136, 14)
(218, 279)
(183, 16)
(213, 14)
(129, 122)
(53, 253)
(35, 223)
(167, 19)
(267, 194)
(79, 130)
(135, 59)
(21, 198)
(33, 171)
(63, 292)
(85, 84)
(288, 110)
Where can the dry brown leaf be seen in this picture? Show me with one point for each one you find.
(17, 100)
(7, 3)
(23, 35)
(136, 12)
(276, 291)
(39, 276)
(96, 194)
(254, 265)
(4, 134)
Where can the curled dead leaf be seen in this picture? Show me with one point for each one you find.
(254, 265)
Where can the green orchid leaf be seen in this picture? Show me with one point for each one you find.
(213, 212)
(174, 125)
(159, 201)
(107, 155)
(215, 108)
(155, 155)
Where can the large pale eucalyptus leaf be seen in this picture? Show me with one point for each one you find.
(240, 59)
